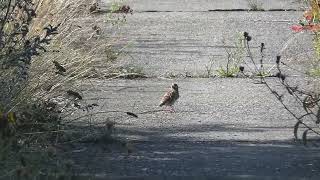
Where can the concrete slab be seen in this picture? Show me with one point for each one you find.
(222, 128)
(204, 5)
(208, 110)
(202, 160)
(185, 42)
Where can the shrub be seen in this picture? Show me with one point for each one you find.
(41, 63)
(306, 108)
(235, 57)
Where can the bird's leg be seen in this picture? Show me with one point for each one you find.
(172, 109)
(168, 109)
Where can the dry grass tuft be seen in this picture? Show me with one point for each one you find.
(36, 111)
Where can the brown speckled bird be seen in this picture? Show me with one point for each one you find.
(170, 97)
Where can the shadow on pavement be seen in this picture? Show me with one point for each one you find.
(224, 159)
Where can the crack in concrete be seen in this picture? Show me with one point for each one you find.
(105, 10)
(216, 10)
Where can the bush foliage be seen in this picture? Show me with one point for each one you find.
(41, 61)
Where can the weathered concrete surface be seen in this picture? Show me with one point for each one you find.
(222, 127)
(230, 128)
(185, 42)
(205, 160)
(208, 110)
(205, 5)
(181, 42)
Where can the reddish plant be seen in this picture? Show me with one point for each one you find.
(311, 19)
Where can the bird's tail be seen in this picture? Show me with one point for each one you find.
(161, 104)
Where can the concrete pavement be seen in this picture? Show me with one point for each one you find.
(222, 127)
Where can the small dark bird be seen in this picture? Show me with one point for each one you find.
(74, 94)
(93, 8)
(170, 97)
(58, 66)
(97, 29)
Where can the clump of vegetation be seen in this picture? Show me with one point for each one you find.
(310, 22)
(240, 60)
(235, 56)
(126, 72)
(41, 64)
(209, 69)
(118, 7)
(22, 115)
(255, 5)
(228, 72)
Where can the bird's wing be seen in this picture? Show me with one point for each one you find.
(166, 98)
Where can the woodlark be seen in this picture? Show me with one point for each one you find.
(170, 97)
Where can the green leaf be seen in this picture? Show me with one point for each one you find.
(12, 117)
